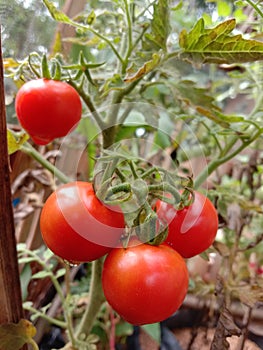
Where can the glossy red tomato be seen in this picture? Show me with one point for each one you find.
(47, 109)
(191, 230)
(144, 283)
(76, 226)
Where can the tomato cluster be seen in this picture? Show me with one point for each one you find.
(144, 283)
(47, 109)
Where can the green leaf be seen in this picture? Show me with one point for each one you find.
(145, 69)
(240, 16)
(56, 14)
(48, 254)
(154, 331)
(26, 259)
(223, 9)
(225, 120)
(160, 25)
(194, 96)
(15, 141)
(230, 118)
(13, 336)
(41, 274)
(91, 18)
(240, 3)
(21, 247)
(123, 329)
(60, 273)
(178, 6)
(212, 116)
(217, 45)
(207, 18)
(25, 278)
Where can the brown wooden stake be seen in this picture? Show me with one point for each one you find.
(10, 291)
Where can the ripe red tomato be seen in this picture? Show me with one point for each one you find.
(76, 226)
(47, 109)
(144, 283)
(191, 230)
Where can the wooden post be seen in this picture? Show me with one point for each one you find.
(10, 291)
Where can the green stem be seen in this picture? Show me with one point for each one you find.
(255, 7)
(130, 43)
(89, 103)
(227, 147)
(51, 320)
(117, 99)
(167, 188)
(95, 301)
(102, 37)
(133, 169)
(129, 22)
(67, 313)
(258, 104)
(214, 164)
(109, 42)
(32, 152)
(145, 10)
(138, 39)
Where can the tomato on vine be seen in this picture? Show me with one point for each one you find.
(78, 227)
(144, 283)
(192, 229)
(47, 109)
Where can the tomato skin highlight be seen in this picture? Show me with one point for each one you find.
(191, 230)
(76, 226)
(47, 109)
(143, 283)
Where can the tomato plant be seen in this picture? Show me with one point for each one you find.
(156, 109)
(76, 226)
(192, 229)
(47, 109)
(144, 283)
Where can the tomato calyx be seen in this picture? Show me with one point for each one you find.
(135, 185)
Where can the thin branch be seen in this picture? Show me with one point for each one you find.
(253, 244)
(256, 8)
(51, 320)
(214, 164)
(89, 103)
(95, 301)
(129, 24)
(32, 152)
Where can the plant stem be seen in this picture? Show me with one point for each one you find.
(32, 152)
(51, 320)
(256, 8)
(89, 103)
(95, 301)
(102, 37)
(67, 313)
(214, 164)
(130, 44)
